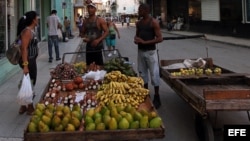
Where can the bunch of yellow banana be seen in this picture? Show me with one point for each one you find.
(103, 86)
(120, 99)
(80, 67)
(114, 88)
(135, 81)
(115, 76)
(121, 90)
(139, 91)
(121, 93)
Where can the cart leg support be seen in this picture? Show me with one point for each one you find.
(248, 115)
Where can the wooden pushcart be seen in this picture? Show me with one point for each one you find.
(97, 135)
(228, 91)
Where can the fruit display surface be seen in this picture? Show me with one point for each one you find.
(196, 72)
(93, 109)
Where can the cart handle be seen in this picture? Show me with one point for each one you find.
(67, 53)
(80, 52)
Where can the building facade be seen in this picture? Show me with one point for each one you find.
(12, 10)
(222, 17)
(121, 8)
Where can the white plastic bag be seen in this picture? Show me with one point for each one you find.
(25, 94)
(59, 33)
(96, 75)
(188, 63)
(198, 63)
(175, 66)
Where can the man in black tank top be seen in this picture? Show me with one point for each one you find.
(148, 34)
(94, 31)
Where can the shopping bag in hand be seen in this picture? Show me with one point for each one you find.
(25, 94)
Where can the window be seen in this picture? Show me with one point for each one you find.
(247, 11)
(2, 28)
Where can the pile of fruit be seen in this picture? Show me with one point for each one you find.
(55, 118)
(93, 67)
(80, 67)
(65, 93)
(197, 72)
(64, 71)
(113, 117)
(63, 118)
(122, 90)
(118, 64)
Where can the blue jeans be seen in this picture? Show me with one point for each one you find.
(53, 40)
(68, 31)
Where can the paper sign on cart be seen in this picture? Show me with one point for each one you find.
(80, 96)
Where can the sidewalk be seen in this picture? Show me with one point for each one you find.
(222, 39)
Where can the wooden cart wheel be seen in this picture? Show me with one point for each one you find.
(204, 129)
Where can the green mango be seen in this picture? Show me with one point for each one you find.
(112, 124)
(32, 127)
(135, 124)
(155, 122)
(144, 122)
(123, 124)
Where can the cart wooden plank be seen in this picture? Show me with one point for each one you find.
(216, 94)
(228, 104)
(228, 91)
(106, 135)
(208, 76)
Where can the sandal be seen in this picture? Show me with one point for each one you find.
(22, 109)
(30, 109)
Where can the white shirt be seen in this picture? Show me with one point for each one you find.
(53, 22)
(127, 19)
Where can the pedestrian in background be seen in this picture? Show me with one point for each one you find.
(148, 34)
(171, 23)
(122, 20)
(29, 50)
(94, 32)
(79, 23)
(111, 38)
(67, 29)
(127, 21)
(53, 24)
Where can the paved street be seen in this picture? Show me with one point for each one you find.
(178, 116)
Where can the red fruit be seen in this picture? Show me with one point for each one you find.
(81, 86)
(69, 86)
(78, 79)
(75, 86)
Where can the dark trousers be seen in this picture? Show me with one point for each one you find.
(94, 54)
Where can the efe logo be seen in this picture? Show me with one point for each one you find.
(237, 132)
